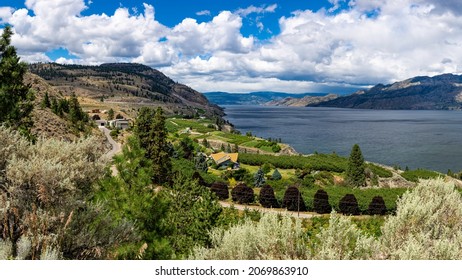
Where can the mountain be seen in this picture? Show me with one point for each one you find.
(443, 92)
(131, 83)
(253, 98)
(302, 102)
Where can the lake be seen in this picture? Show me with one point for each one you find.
(417, 139)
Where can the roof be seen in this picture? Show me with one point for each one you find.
(221, 157)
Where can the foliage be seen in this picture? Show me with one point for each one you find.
(349, 205)
(272, 238)
(193, 211)
(259, 178)
(276, 175)
(242, 194)
(415, 175)
(200, 162)
(15, 97)
(267, 198)
(377, 206)
(342, 240)
(110, 114)
(355, 175)
(130, 196)
(332, 163)
(321, 202)
(220, 189)
(427, 224)
(379, 171)
(293, 200)
(45, 193)
(150, 130)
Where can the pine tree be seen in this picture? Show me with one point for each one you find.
(152, 133)
(130, 197)
(355, 174)
(276, 175)
(259, 178)
(235, 148)
(110, 114)
(46, 101)
(15, 97)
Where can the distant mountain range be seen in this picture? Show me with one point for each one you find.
(128, 83)
(253, 98)
(443, 92)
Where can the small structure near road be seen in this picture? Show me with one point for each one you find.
(119, 123)
(101, 122)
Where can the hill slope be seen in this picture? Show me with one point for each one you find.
(126, 83)
(302, 102)
(443, 92)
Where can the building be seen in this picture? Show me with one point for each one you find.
(120, 123)
(226, 159)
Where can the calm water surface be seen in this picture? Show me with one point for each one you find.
(417, 139)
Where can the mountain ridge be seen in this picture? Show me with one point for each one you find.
(441, 92)
(127, 83)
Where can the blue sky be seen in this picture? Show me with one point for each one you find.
(242, 46)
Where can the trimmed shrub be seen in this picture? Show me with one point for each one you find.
(377, 206)
(267, 198)
(321, 202)
(348, 205)
(293, 200)
(220, 190)
(242, 194)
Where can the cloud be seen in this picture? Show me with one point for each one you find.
(203, 13)
(257, 10)
(221, 34)
(362, 42)
(5, 14)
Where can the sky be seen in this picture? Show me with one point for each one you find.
(295, 46)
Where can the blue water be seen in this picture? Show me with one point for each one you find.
(417, 139)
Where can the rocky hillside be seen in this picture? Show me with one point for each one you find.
(302, 102)
(443, 92)
(126, 83)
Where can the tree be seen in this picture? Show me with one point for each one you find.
(130, 196)
(200, 162)
(15, 97)
(267, 197)
(242, 194)
(377, 206)
(235, 148)
(220, 189)
(46, 101)
(152, 134)
(276, 175)
(348, 205)
(321, 202)
(259, 178)
(293, 200)
(192, 213)
(355, 174)
(110, 114)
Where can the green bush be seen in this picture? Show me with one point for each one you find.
(415, 175)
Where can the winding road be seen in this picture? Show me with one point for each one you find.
(116, 148)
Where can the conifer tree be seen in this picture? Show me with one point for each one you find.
(356, 168)
(259, 178)
(15, 97)
(46, 101)
(276, 175)
(152, 133)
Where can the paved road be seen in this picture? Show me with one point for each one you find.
(303, 215)
(116, 148)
